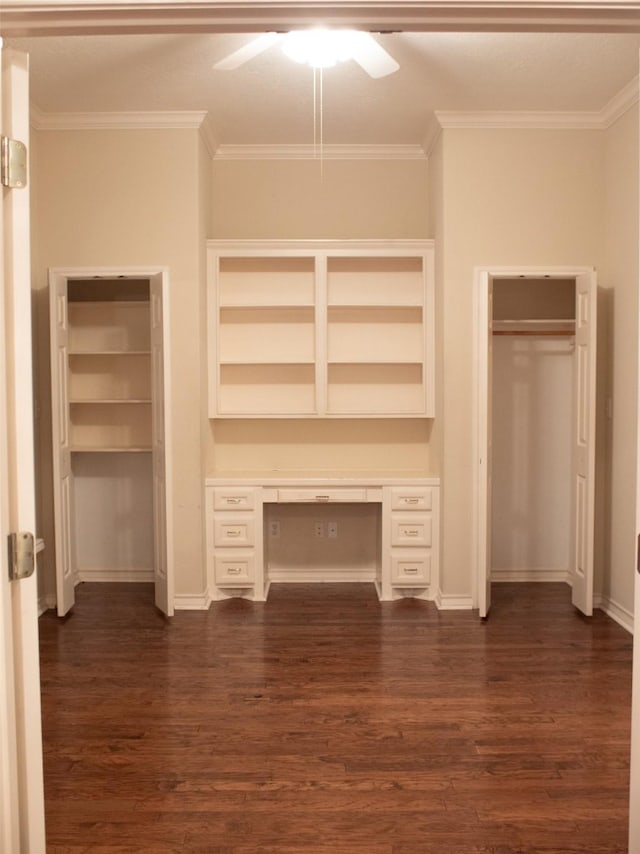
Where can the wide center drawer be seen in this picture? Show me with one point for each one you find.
(310, 495)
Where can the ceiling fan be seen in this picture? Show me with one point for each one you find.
(319, 48)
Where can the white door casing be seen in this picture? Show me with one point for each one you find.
(585, 400)
(483, 389)
(161, 445)
(21, 775)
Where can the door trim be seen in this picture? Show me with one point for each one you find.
(479, 401)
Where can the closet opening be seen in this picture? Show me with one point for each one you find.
(533, 367)
(535, 429)
(110, 399)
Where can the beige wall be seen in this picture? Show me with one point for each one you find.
(511, 197)
(620, 277)
(298, 199)
(126, 198)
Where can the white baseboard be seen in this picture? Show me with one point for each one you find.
(453, 602)
(105, 575)
(612, 609)
(46, 603)
(524, 574)
(191, 602)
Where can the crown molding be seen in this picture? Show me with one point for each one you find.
(626, 98)
(325, 152)
(538, 120)
(143, 120)
(620, 103)
(161, 120)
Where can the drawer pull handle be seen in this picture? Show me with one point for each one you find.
(411, 532)
(322, 497)
(411, 500)
(234, 570)
(410, 570)
(234, 532)
(233, 500)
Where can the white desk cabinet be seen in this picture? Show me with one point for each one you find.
(340, 329)
(264, 528)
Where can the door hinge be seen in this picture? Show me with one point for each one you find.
(21, 555)
(13, 163)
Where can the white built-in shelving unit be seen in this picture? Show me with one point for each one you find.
(338, 329)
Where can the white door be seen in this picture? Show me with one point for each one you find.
(21, 780)
(484, 362)
(62, 480)
(161, 440)
(584, 443)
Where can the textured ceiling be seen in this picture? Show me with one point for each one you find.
(270, 100)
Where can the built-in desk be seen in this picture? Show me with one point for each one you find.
(274, 527)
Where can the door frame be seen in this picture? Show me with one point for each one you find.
(151, 272)
(480, 405)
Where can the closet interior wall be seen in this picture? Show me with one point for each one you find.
(533, 411)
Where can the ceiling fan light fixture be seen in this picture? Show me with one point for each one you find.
(320, 48)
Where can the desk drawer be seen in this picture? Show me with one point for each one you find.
(234, 570)
(412, 498)
(321, 496)
(233, 498)
(413, 529)
(411, 569)
(233, 531)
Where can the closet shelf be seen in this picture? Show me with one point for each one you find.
(111, 449)
(109, 401)
(109, 352)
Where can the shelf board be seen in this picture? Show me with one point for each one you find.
(118, 303)
(109, 352)
(109, 401)
(85, 449)
(269, 306)
(253, 363)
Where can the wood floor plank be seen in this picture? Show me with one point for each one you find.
(325, 721)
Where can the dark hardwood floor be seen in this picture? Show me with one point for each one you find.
(326, 722)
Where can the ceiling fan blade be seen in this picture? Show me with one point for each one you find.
(246, 52)
(372, 57)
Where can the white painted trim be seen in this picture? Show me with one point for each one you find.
(82, 17)
(46, 603)
(317, 575)
(626, 98)
(539, 120)
(513, 119)
(191, 601)
(158, 120)
(617, 612)
(453, 602)
(531, 574)
(329, 152)
(127, 574)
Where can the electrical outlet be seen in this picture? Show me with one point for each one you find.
(274, 529)
(318, 529)
(332, 530)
